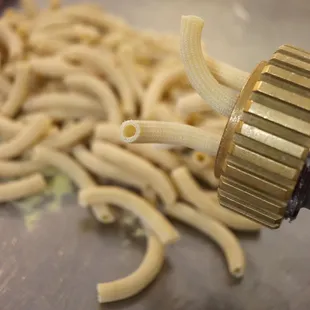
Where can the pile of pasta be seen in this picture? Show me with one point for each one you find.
(69, 77)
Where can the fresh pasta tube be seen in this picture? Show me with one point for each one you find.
(216, 231)
(165, 113)
(53, 67)
(191, 192)
(109, 132)
(134, 131)
(69, 101)
(73, 170)
(202, 160)
(9, 128)
(30, 8)
(11, 41)
(5, 85)
(124, 159)
(191, 103)
(93, 59)
(124, 199)
(18, 92)
(105, 169)
(25, 138)
(101, 90)
(138, 280)
(22, 188)
(157, 86)
(70, 136)
(19, 168)
(221, 99)
(47, 46)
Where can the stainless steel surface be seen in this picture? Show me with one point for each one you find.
(58, 263)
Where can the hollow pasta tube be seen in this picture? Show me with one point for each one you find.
(9, 128)
(134, 283)
(140, 167)
(220, 98)
(191, 192)
(210, 227)
(25, 138)
(22, 188)
(19, 168)
(72, 169)
(134, 131)
(101, 90)
(124, 199)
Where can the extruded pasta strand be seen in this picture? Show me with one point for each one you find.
(72, 169)
(190, 191)
(156, 178)
(216, 231)
(170, 133)
(138, 280)
(12, 169)
(22, 188)
(221, 99)
(149, 215)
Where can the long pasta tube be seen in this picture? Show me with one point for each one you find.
(69, 101)
(221, 99)
(9, 128)
(191, 103)
(103, 66)
(12, 169)
(22, 188)
(18, 92)
(101, 90)
(73, 170)
(149, 215)
(191, 192)
(109, 132)
(153, 176)
(157, 86)
(138, 280)
(11, 41)
(25, 138)
(170, 133)
(47, 46)
(165, 113)
(216, 231)
(105, 169)
(5, 85)
(70, 136)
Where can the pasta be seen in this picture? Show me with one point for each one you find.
(99, 89)
(24, 139)
(190, 191)
(216, 231)
(72, 169)
(9, 128)
(134, 283)
(170, 133)
(157, 179)
(12, 169)
(221, 99)
(150, 216)
(21, 188)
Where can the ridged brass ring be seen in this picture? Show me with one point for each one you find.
(267, 139)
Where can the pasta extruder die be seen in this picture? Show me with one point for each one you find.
(263, 161)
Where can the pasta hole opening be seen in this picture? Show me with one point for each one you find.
(129, 131)
(237, 273)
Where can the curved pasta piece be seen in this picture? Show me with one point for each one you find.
(30, 8)
(221, 99)
(70, 136)
(5, 85)
(93, 59)
(158, 85)
(216, 231)
(191, 192)
(191, 103)
(170, 133)
(124, 159)
(22, 188)
(9, 128)
(165, 113)
(138, 280)
(73, 170)
(109, 132)
(68, 101)
(149, 215)
(26, 138)
(18, 92)
(53, 67)
(12, 169)
(47, 46)
(11, 40)
(101, 90)
(105, 169)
